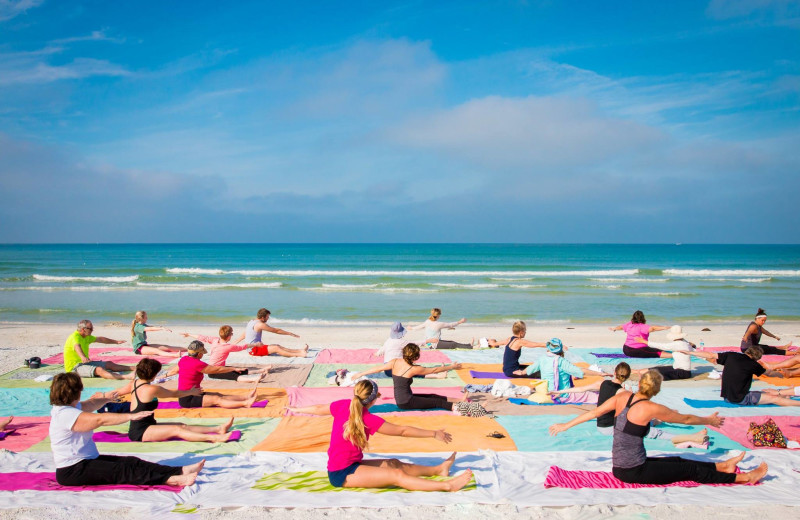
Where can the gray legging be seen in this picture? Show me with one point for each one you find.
(445, 344)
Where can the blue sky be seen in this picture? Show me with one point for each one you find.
(462, 121)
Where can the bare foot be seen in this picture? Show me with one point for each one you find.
(757, 474)
(443, 469)
(305, 349)
(182, 480)
(249, 402)
(729, 466)
(194, 468)
(223, 437)
(457, 483)
(4, 422)
(223, 428)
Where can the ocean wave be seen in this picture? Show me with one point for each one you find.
(526, 285)
(732, 272)
(512, 279)
(606, 286)
(468, 285)
(646, 294)
(345, 286)
(361, 288)
(629, 280)
(207, 286)
(325, 272)
(111, 279)
(740, 280)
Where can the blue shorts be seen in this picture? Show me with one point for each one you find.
(751, 399)
(338, 477)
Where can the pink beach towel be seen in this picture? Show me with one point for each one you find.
(366, 356)
(307, 396)
(564, 478)
(175, 405)
(97, 355)
(24, 480)
(123, 437)
(735, 428)
(24, 432)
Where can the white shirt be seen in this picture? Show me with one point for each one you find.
(69, 447)
(433, 329)
(679, 361)
(393, 348)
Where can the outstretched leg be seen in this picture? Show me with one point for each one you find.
(774, 399)
(161, 350)
(163, 432)
(288, 352)
(106, 374)
(392, 472)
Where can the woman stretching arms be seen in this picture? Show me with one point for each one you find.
(352, 427)
(633, 413)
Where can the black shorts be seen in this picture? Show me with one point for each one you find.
(644, 352)
(229, 376)
(191, 401)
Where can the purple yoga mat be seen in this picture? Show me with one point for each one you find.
(488, 375)
(174, 405)
(123, 437)
(19, 481)
(613, 356)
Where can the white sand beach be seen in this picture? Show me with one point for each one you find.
(22, 340)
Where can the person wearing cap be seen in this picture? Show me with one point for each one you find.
(752, 336)
(78, 360)
(353, 425)
(558, 372)
(191, 370)
(682, 352)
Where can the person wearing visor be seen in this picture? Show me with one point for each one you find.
(191, 370)
(353, 425)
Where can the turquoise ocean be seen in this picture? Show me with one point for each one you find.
(370, 284)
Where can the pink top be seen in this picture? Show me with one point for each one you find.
(219, 353)
(190, 373)
(342, 453)
(635, 330)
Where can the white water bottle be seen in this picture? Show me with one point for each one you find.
(702, 345)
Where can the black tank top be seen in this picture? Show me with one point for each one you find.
(752, 338)
(511, 358)
(608, 389)
(402, 388)
(143, 407)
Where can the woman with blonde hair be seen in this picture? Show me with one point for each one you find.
(433, 331)
(632, 416)
(139, 330)
(353, 425)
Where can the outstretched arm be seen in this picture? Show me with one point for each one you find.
(608, 406)
(275, 330)
(107, 341)
(417, 370)
(397, 430)
(594, 387)
(669, 415)
(316, 409)
(655, 328)
(379, 368)
(531, 344)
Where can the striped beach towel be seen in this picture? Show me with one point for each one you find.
(564, 478)
(317, 482)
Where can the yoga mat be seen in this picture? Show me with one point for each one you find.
(502, 406)
(304, 434)
(467, 368)
(531, 433)
(32, 402)
(779, 381)
(559, 477)
(366, 356)
(301, 396)
(618, 355)
(175, 405)
(129, 359)
(317, 482)
(119, 437)
(736, 428)
(719, 403)
(244, 358)
(24, 432)
(320, 373)
(276, 398)
(23, 480)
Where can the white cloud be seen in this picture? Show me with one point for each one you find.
(727, 9)
(23, 71)
(94, 36)
(12, 8)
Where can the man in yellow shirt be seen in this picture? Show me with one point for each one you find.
(76, 355)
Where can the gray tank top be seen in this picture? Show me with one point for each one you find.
(250, 333)
(628, 451)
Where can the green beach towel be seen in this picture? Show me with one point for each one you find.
(317, 482)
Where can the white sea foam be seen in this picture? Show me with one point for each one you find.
(110, 279)
(345, 286)
(740, 280)
(325, 272)
(732, 272)
(362, 288)
(468, 285)
(526, 285)
(606, 286)
(512, 279)
(207, 286)
(629, 280)
(662, 294)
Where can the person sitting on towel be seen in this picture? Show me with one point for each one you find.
(77, 359)
(630, 463)
(221, 348)
(682, 352)
(554, 368)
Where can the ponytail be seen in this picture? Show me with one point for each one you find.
(354, 429)
(139, 315)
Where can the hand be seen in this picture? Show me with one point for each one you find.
(140, 415)
(166, 329)
(612, 329)
(194, 391)
(519, 373)
(119, 341)
(294, 335)
(778, 338)
(715, 420)
(98, 395)
(240, 370)
(462, 320)
(443, 436)
(185, 334)
(557, 428)
(455, 366)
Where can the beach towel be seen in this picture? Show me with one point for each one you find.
(317, 482)
(24, 480)
(33, 402)
(305, 434)
(175, 405)
(321, 373)
(117, 437)
(563, 478)
(244, 358)
(94, 353)
(366, 356)
(615, 355)
(719, 403)
(736, 428)
(275, 397)
(24, 432)
(302, 396)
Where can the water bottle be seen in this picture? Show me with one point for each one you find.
(702, 345)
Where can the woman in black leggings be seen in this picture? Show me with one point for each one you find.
(635, 329)
(633, 413)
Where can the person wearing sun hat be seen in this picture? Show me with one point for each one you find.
(682, 351)
(558, 372)
(393, 347)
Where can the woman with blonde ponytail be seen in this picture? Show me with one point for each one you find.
(433, 331)
(139, 330)
(353, 425)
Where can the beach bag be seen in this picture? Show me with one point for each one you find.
(766, 435)
(259, 350)
(469, 409)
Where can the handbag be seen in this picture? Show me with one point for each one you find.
(766, 435)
